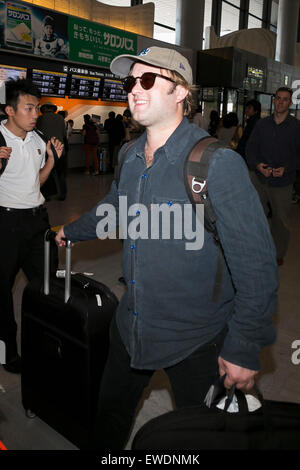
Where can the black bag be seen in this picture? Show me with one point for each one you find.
(3, 160)
(275, 425)
(64, 346)
(50, 187)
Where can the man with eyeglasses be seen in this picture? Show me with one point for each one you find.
(168, 318)
(273, 156)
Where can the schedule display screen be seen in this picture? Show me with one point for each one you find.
(50, 83)
(6, 72)
(85, 87)
(113, 90)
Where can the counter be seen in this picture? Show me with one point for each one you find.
(76, 154)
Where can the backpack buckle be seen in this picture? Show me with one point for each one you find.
(196, 183)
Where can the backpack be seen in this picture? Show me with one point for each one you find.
(40, 134)
(195, 175)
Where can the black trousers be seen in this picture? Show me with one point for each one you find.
(122, 387)
(22, 247)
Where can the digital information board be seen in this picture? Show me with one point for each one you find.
(50, 83)
(85, 87)
(113, 91)
(7, 72)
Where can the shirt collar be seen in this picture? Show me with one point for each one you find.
(10, 134)
(174, 145)
(288, 118)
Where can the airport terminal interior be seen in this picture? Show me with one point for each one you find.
(244, 51)
(279, 378)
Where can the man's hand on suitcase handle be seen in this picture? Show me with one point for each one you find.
(60, 237)
(241, 377)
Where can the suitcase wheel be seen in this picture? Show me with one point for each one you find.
(30, 414)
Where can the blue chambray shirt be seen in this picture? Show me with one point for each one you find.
(168, 311)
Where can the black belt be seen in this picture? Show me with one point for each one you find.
(31, 210)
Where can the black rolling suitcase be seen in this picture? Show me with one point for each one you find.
(64, 346)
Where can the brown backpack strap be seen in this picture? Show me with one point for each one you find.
(196, 171)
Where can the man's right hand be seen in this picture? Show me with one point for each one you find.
(4, 153)
(264, 169)
(241, 377)
(59, 237)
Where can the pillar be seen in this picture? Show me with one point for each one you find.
(287, 29)
(189, 23)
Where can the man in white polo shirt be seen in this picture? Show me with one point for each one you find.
(23, 218)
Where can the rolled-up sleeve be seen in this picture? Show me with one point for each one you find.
(250, 255)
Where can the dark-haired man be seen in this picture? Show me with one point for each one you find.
(111, 127)
(252, 113)
(23, 216)
(168, 318)
(52, 124)
(273, 155)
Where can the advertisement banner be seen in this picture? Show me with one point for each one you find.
(97, 44)
(34, 30)
(27, 28)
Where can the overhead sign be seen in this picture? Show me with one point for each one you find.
(255, 72)
(50, 83)
(34, 30)
(97, 44)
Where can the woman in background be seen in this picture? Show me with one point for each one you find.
(214, 123)
(230, 132)
(91, 142)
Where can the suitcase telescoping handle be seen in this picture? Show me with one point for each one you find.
(50, 235)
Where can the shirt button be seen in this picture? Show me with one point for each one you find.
(134, 313)
(144, 176)
(132, 247)
(138, 212)
(132, 281)
(170, 203)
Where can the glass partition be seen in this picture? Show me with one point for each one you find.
(266, 102)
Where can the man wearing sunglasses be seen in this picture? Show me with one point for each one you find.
(167, 319)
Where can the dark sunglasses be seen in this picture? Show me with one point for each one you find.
(147, 81)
